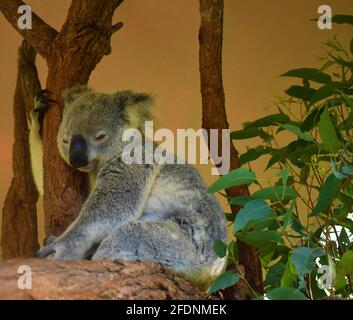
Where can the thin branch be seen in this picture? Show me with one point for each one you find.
(40, 36)
(116, 27)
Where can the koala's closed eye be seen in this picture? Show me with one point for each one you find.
(100, 136)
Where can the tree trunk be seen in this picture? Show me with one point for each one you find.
(71, 55)
(54, 279)
(214, 117)
(19, 234)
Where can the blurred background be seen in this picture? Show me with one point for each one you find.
(157, 51)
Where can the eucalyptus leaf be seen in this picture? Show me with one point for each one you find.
(253, 154)
(255, 214)
(235, 177)
(275, 193)
(245, 133)
(325, 91)
(220, 248)
(328, 133)
(348, 170)
(239, 201)
(344, 268)
(268, 120)
(342, 19)
(225, 280)
(306, 136)
(327, 193)
(285, 294)
(300, 92)
(309, 74)
(265, 240)
(304, 260)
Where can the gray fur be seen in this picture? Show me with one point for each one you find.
(157, 213)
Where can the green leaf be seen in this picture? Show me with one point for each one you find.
(253, 154)
(265, 136)
(285, 294)
(348, 170)
(268, 120)
(347, 99)
(346, 199)
(309, 74)
(273, 160)
(289, 277)
(225, 280)
(245, 133)
(256, 213)
(284, 173)
(239, 201)
(304, 259)
(235, 177)
(327, 194)
(340, 61)
(328, 133)
(220, 248)
(295, 130)
(288, 217)
(335, 45)
(300, 92)
(342, 19)
(344, 268)
(265, 240)
(275, 193)
(274, 275)
(304, 174)
(326, 91)
(311, 120)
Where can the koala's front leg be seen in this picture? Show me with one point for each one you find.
(71, 245)
(119, 196)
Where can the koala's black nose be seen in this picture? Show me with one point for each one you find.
(78, 151)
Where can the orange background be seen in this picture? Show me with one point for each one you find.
(157, 51)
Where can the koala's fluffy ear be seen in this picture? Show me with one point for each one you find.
(136, 108)
(73, 93)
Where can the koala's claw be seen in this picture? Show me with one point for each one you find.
(45, 251)
(43, 101)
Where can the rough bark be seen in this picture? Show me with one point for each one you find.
(19, 221)
(214, 117)
(71, 55)
(95, 280)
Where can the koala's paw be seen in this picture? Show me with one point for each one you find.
(57, 250)
(46, 251)
(42, 103)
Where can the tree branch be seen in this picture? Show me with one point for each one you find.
(116, 27)
(40, 36)
(19, 220)
(214, 116)
(122, 280)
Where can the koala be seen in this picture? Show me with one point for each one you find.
(159, 213)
